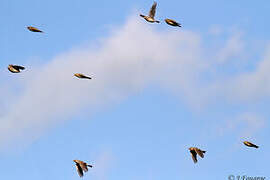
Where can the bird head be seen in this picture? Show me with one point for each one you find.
(142, 15)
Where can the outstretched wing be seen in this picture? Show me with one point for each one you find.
(152, 11)
(198, 151)
(250, 144)
(86, 77)
(18, 67)
(79, 170)
(84, 166)
(194, 156)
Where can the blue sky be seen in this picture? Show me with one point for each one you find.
(156, 90)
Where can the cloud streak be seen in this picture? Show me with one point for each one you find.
(133, 57)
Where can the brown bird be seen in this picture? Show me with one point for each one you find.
(151, 16)
(249, 144)
(194, 151)
(81, 167)
(172, 22)
(15, 68)
(33, 29)
(79, 75)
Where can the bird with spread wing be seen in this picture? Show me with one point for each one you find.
(194, 151)
(82, 167)
(151, 16)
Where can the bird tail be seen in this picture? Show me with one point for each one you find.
(157, 21)
(256, 146)
(204, 151)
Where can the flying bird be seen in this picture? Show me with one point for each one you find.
(249, 144)
(81, 167)
(33, 29)
(172, 22)
(151, 16)
(194, 151)
(79, 75)
(15, 68)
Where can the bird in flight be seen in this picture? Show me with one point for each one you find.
(172, 22)
(151, 16)
(15, 68)
(33, 29)
(194, 151)
(79, 75)
(81, 167)
(249, 144)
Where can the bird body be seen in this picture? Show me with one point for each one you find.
(151, 16)
(249, 144)
(33, 29)
(194, 151)
(81, 167)
(15, 68)
(79, 75)
(172, 22)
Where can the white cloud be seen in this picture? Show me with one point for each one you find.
(248, 86)
(245, 125)
(215, 30)
(233, 48)
(135, 56)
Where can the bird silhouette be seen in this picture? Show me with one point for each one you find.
(82, 167)
(172, 22)
(194, 151)
(79, 75)
(33, 29)
(249, 144)
(15, 68)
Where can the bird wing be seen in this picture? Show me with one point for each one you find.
(152, 11)
(198, 151)
(18, 67)
(79, 170)
(83, 76)
(252, 145)
(33, 29)
(37, 30)
(86, 77)
(84, 166)
(194, 156)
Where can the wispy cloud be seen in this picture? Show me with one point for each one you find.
(103, 164)
(245, 125)
(234, 47)
(134, 56)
